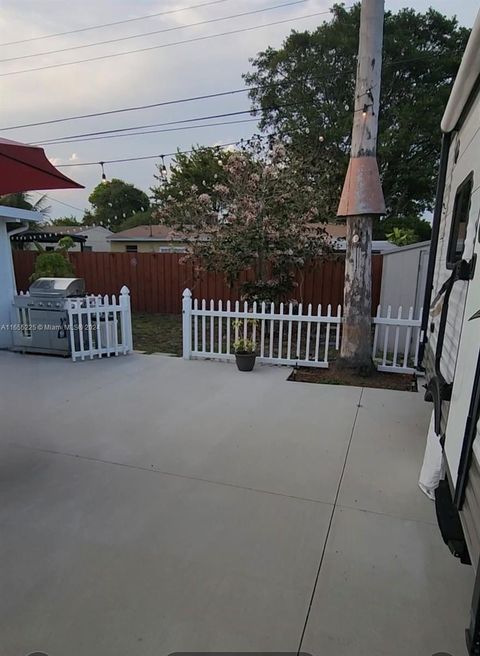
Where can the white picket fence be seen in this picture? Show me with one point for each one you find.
(288, 336)
(396, 340)
(100, 325)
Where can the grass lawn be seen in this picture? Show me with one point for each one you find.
(157, 333)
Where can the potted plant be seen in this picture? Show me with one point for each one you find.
(244, 347)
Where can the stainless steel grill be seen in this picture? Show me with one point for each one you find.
(42, 315)
(57, 287)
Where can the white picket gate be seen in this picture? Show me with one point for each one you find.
(396, 340)
(100, 325)
(293, 335)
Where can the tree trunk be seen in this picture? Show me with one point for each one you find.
(356, 351)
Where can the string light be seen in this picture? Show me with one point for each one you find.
(104, 177)
(364, 111)
(163, 169)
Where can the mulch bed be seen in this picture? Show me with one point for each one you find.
(332, 376)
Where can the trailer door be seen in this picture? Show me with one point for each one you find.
(468, 363)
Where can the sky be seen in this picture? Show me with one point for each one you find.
(162, 74)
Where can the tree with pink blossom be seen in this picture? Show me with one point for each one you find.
(264, 215)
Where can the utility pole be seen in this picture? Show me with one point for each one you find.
(362, 196)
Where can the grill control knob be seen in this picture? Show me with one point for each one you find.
(40, 304)
(57, 304)
(49, 304)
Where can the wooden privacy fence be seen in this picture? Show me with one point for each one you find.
(293, 335)
(157, 280)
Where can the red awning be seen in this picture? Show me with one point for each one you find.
(26, 168)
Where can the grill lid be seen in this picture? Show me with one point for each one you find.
(63, 287)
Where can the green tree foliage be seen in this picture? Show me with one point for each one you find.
(421, 228)
(54, 264)
(24, 201)
(140, 218)
(113, 202)
(201, 169)
(65, 221)
(305, 90)
(402, 236)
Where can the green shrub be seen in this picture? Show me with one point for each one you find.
(54, 264)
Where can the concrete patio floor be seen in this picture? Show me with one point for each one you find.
(151, 505)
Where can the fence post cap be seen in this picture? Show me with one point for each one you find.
(187, 293)
(124, 290)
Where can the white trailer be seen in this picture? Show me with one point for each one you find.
(451, 323)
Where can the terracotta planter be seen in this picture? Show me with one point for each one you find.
(245, 361)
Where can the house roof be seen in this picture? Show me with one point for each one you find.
(14, 214)
(73, 229)
(165, 233)
(45, 237)
(66, 230)
(148, 233)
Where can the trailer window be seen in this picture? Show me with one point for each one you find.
(458, 231)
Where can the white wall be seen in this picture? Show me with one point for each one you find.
(7, 287)
(96, 238)
(403, 277)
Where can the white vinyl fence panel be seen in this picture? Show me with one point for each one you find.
(289, 334)
(399, 331)
(100, 325)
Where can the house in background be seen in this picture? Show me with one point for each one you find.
(163, 239)
(148, 239)
(97, 236)
(86, 238)
(338, 233)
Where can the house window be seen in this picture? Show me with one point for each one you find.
(87, 249)
(458, 231)
(131, 248)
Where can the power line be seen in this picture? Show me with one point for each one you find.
(121, 22)
(143, 157)
(132, 134)
(55, 200)
(105, 134)
(129, 109)
(165, 45)
(162, 31)
(161, 104)
(153, 125)
(73, 138)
